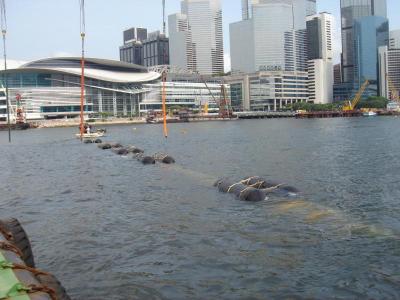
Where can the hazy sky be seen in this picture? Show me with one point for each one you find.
(43, 28)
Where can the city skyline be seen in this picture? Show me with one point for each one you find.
(104, 38)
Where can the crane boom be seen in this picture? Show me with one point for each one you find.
(352, 104)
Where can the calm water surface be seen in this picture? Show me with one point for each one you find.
(110, 228)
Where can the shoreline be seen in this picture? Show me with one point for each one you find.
(113, 122)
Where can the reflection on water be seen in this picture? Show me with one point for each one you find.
(111, 228)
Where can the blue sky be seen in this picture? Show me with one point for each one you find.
(43, 28)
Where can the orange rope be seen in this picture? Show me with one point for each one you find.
(44, 289)
(9, 247)
(6, 233)
(164, 105)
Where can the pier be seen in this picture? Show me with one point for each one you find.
(264, 114)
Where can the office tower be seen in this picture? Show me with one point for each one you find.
(135, 34)
(352, 11)
(394, 39)
(196, 38)
(320, 53)
(389, 72)
(131, 52)
(156, 50)
(369, 34)
(273, 38)
(337, 74)
(132, 49)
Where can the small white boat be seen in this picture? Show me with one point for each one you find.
(94, 135)
(370, 114)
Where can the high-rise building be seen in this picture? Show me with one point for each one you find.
(352, 11)
(394, 39)
(319, 36)
(272, 38)
(389, 71)
(337, 74)
(320, 54)
(196, 36)
(135, 34)
(369, 34)
(132, 49)
(156, 50)
(131, 52)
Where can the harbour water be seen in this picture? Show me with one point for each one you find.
(110, 228)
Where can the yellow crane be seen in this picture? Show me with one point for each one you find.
(351, 105)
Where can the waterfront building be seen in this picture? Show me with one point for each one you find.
(273, 38)
(196, 37)
(337, 74)
(184, 91)
(267, 90)
(352, 11)
(369, 34)
(394, 39)
(389, 71)
(320, 54)
(132, 49)
(50, 88)
(156, 50)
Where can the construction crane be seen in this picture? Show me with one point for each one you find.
(225, 110)
(351, 105)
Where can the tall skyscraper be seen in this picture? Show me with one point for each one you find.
(352, 11)
(156, 50)
(196, 37)
(389, 72)
(272, 38)
(320, 54)
(132, 49)
(394, 39)
(370, 33)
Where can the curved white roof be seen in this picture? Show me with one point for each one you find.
(100, 69)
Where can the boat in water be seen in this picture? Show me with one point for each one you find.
(370, 114)
(94, 135)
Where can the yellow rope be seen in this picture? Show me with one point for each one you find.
(233, 185)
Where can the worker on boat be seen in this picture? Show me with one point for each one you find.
(88, 128)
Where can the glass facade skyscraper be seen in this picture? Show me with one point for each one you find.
(352, 11)
(370, 33)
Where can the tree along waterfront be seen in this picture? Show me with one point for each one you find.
(370, 102)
